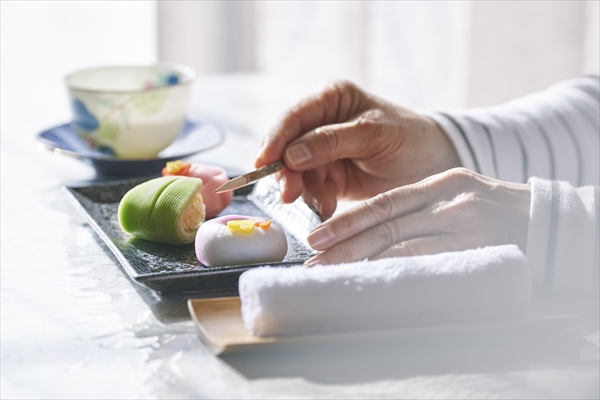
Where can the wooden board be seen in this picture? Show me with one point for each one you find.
(221, 328)
(220, 325)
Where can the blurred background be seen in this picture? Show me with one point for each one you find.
(431, 55)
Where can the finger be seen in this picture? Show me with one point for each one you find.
(290, 185)
(378, 239)
(336, 103)
(424, 245)
(319, 193)
(371, 213)
(352, 139)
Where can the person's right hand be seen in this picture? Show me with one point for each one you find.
(343, 143)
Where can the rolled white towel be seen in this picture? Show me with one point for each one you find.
(486, 283)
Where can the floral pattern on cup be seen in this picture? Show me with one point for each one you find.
(83, 118)
(163, 80)
(130, 112)
(100, 132)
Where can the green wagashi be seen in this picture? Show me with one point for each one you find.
(165, 210)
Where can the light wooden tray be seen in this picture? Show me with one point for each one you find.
(220, 327)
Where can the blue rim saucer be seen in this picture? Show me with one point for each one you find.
(197, 136)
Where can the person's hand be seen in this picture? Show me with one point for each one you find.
(455, 210)
(343, 143)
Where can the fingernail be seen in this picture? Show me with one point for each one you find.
(260, 151)
(316, 205)
(298, 154)
(310, 263)
(281, 185)
(320, 237)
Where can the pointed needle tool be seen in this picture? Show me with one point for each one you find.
(246, 179)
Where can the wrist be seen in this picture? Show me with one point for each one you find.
(442, 151)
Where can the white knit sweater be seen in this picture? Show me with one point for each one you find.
(550, 139)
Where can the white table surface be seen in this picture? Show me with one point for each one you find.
(74, 326)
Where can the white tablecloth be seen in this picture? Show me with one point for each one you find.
(74, 326)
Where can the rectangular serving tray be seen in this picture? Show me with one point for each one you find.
(221, 328)
(174, 271)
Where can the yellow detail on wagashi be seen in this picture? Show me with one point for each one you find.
(241, 225)
(247, 225)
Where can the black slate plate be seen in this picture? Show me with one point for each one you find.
(174, 270)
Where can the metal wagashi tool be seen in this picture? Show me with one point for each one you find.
(250, 177)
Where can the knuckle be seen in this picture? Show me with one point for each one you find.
(370, 120)
(343, 253)
(462, 171)
(387, 233)
(373, 241)
(458, 176)
(464, 210)
(329, 139)
(467, 198)
(380, 207)
(373, 115)
(341, 85)
(364, 124)
(291, 119)
(335, 88)
(463, 204)
(331, 97)
(348, 226)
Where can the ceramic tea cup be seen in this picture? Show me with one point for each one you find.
(130, 112)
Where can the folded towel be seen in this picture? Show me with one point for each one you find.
(486, 283)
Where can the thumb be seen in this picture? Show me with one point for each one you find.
(353, 139)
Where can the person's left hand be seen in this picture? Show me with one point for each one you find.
(451, 211)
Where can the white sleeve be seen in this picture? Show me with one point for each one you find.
(550, 139)
(563, 238)
(553, 134)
